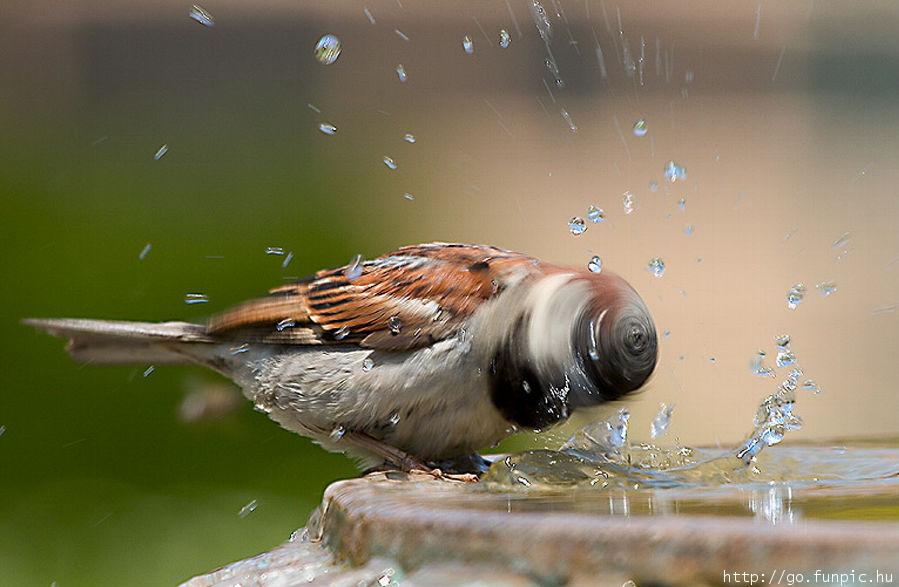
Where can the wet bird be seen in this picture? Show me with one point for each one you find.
(415, 359)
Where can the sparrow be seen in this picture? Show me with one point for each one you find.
(424, 355)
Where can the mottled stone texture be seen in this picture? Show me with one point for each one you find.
(417, 530)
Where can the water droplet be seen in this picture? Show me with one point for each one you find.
(354, 268)
(595, 264)
(395, 325)
(247, 509)
(688, 230)
(567, 117)
(656, 267)
(795, 296)
(785, 358)
(595, 215)
(401, 35)
(826, 288)
(161, 152)
(390, 163)
(468, 44)
(640, 128)
(284, 324)
(195, 298)
(367, 364)
(144, 252)
(409, 197)
(341, 333)
(394, 419)
(287, 259)
(202, 16)
(810, 385)
(327, 128)
(629, 202)
(660, 423)
(149, 371)
(504, 39)
(577, 226)
(274, 251)
(674, 172)
(653, 186)
(368, 14)
(842, 241)
(409, 138)
(782, 340)
(666, 334)
(682, 204)
(337, 433)
(327, 50)
(541, 20)
(237, 350)
(401, 72)
(758, 368)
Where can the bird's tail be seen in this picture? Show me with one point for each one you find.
(113, 341)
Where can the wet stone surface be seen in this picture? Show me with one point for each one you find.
(561, 528)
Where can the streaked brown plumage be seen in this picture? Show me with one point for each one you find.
(428, 352)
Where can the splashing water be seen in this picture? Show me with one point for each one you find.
(401, 72)
(757, 366)
(468, 45)
(367, 365)
(660, 423)
(689, 230)
(161, 152)
(795, 296)
(409, 138)
(595, 264)
(682, 203)
(327, 50)
(577, 226)
(327, 128)
(504, 39)
(390, 163)
(195, 298)
(656, 267)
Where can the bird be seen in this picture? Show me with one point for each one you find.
(415, 359)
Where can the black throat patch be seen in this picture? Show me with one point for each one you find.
(518, 391)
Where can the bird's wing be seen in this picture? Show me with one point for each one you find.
(406, 299)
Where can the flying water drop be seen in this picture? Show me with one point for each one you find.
(409, 138)
(640, 128)
(674, 172)
(795, 296)
(595, 215)
(395, 325)
(826, 288)
(629, 202)
(354, 268)
(468, 45)
(595, 264)
(504, 39)
(656, 267)
(390, 163)
(327, 128)
(327, 50)
(161, 152)
(202, 16)
(401, 72)
(577, 226)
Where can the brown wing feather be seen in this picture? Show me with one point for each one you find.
(406, 299)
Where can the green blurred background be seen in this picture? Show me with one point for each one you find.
(786, 115)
